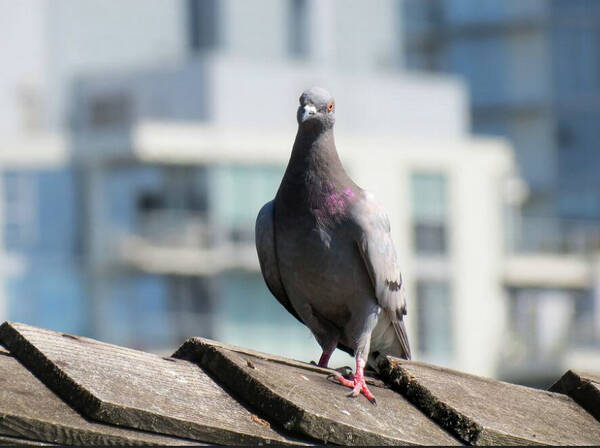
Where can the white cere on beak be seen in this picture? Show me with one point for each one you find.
(309, 110)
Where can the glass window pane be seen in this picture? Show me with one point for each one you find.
(248, 315)
(429, 197)
(430, 238)
(434, 319)
(430, 208)
(239, 192)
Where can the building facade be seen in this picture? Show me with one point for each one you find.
(529, 67)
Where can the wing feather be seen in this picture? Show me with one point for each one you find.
(379, 255)
(265, 247)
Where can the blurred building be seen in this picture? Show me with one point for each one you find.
(531, 69)
(156, 131)
(532, 72)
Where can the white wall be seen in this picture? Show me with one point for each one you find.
(250, 94)
(353, 34)
(367, 34)
(23, 58)
(47, 44)
(93, 37)
(257, 29)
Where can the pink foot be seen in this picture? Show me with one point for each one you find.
(358, 384)
(358, 387)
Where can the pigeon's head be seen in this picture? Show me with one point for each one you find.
(317, 109)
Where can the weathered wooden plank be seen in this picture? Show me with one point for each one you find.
(583, 387)
(136, 389)
(300, 398)
(30, 414)
(18, 441)
(483, 411)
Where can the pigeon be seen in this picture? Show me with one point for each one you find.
(326, 253)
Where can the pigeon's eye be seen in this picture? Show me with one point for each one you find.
(330, 107)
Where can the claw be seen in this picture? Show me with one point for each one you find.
(333, 378)
(358, 386)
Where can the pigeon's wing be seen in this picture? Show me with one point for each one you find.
(379, 255)
(265, 246)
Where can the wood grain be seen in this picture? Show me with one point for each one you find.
(18, 441)
(483, 411)
(583, 387)
(300, 398)
(135, 389)
(30, 414)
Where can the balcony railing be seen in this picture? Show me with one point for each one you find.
(532, 234)
(545, 327)
(188, 229)
(184, 242)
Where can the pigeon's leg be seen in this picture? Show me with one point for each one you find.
(358, 383)
(326, 334)
(324, 360)
(328, 345)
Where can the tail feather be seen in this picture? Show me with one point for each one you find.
(388, 338)
(400, 330)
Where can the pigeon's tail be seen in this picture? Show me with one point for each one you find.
(388, 338)
(400, 330)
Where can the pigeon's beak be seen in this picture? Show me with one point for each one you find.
(308, 111)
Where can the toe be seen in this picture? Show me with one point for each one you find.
(356, 390)
(344, 382)
(367, 393)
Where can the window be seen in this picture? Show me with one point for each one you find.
(583, 327)
(48, 294)
(20, 210)
(238, 194)
(434, 319)
(541, 319)
(429, 205)
(298, 28)
(133, 312)
(31, 107)
(111, 110)
(203, 24)
(191, 306)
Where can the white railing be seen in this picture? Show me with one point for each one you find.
(532, 234)
(175, 228)
(531, 340)
(187, 243)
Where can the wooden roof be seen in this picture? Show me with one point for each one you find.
(63, 389)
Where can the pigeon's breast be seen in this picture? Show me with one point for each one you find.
(321, 266)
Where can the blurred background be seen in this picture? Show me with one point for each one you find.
(139, 138)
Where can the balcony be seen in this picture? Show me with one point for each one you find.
(183, 242)
(546, 327)
(533, 234)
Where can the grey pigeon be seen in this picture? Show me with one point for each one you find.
(326, 252)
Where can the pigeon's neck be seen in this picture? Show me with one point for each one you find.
(314, 174)
(315, 157)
